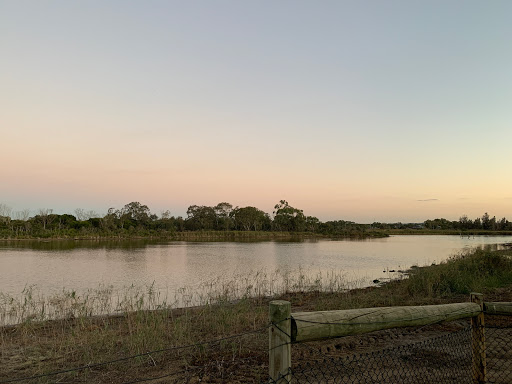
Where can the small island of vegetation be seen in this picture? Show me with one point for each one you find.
(221, 222)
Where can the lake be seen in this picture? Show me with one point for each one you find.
(80, 265)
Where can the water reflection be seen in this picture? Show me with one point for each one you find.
(68, 245)
(84, 264)
(126, 244)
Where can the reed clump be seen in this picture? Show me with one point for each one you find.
(479, 270)
(32, 305)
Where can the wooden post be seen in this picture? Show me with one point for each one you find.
(478, 341)
(280, 341)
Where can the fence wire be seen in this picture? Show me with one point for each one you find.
(447, 358)
(219, 360)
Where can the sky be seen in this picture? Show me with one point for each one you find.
(357, 110)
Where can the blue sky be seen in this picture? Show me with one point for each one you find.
(359, 110)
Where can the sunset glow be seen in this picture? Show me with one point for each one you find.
(364, 111)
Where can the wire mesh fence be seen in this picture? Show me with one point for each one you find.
(443, 359)
(446, 358)
(498, 340)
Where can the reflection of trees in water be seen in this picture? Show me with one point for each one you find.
(67, 245)
(124, 244)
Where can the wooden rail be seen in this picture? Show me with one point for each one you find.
(290, 327)
(308, 326)
(504, 308)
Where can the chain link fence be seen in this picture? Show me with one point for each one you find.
(498, 341)
(446, 358)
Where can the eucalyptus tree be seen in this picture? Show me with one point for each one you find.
(200, 217)
(288, 218)
(223, 216)
(109, 221)
(250, 218)
(45, 216)
(312, 223)
(5, 211)
(137, 212)
(5, 214)
(22, 215)
(83, 215)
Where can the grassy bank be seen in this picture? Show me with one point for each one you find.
(477, 271)
(34, 347)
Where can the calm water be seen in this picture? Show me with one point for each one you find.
(52, 266)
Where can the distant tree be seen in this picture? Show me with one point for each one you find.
(109, 221)
(377, 225)
(45, 216)
(179, 223)
(493, 224)
(312, 224)
(82, 215)
(165, 215)
(5, 211)
(200, 218)
(439, 224)
(288, 218)
(136, 211)
(338, 227)
(250, 218)
(5, 216)
(223, 212)
(464, 222)
(66, 221)
(22, 215)
(486, 221)
(95, 222)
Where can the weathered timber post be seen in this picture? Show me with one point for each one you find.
(280, 341)
(478, 341)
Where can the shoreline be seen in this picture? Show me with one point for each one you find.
(205, 236)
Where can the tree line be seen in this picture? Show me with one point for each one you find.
(136, 219)
(464, 223)
(483, 223)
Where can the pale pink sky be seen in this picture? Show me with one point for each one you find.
(364, 111)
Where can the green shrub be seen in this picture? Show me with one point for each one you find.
(478, 270)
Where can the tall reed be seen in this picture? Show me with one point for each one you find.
(33, 305)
